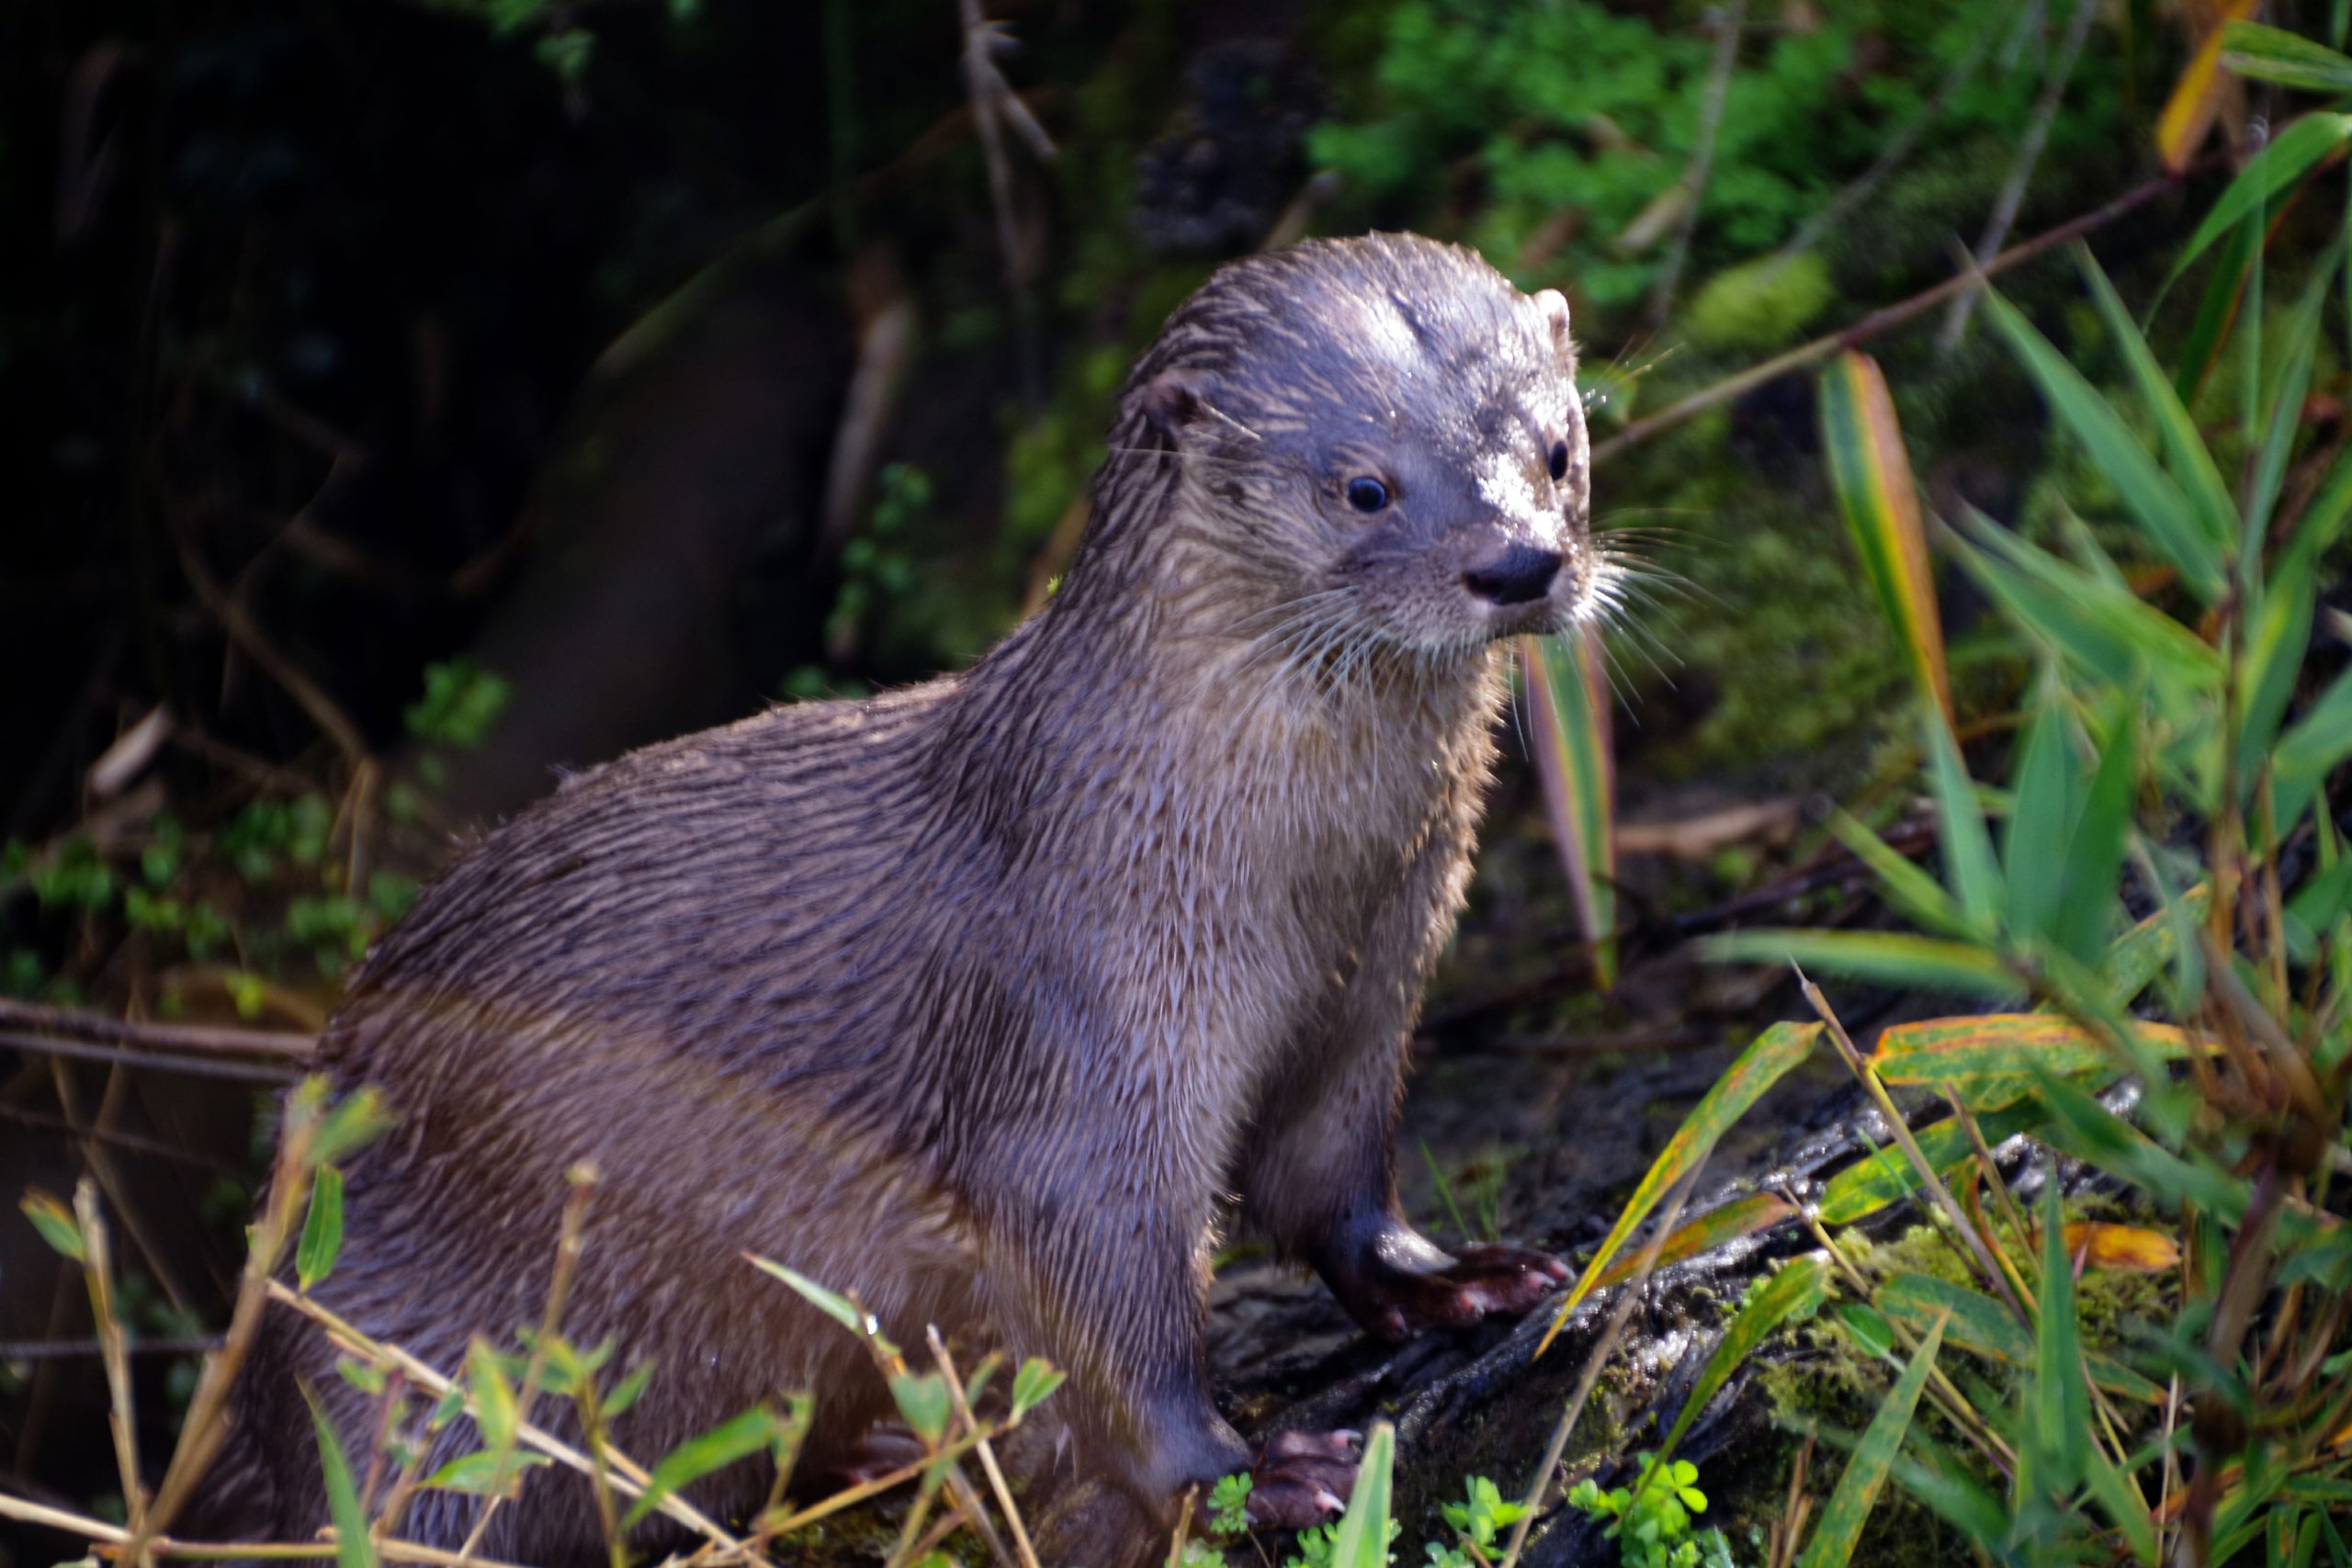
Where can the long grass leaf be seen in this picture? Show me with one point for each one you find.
(1568, 708)
(2094, 862)
(1361, 1541)
(1919, 897)
(1718, 1226)
(2099, 625)
(2312, 750)
(352, 1549)
(1886, 958)
(734, 1439)
(2290, 155)
(1995, 1059)
(1862, 440)
(2166, 520)
(1969, 866)
(2274, 55)
(1761, 1066)
(1834, 1538)
(2188, 111)
(1888, 1176)
(2185, 450)
(2033, 841)
(2283, 419)
(1792, 1294)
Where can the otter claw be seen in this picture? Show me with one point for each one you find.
(1301, 1479)
(1480, 1282)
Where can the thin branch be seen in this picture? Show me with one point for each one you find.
(1894, 315)
(2012, 195)
(246, 632)
(195, 1039)
(1728, 24)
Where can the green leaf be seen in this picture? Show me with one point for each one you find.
(2139, 954)
(322, 1240)
(2166, 520)
(2185, 451)
(357, 1120)
(2095, 858)
(924, 1400)
(1761, 1066)
(731, 1440)
(832, 1305)
(2082, 1127)
(1832, 1545)
(2291, 155)
(1568, 710)
(2312, 750)
(480, 1471)
(2060, 1402)
(1967, 848)
(628, 1390)
(2284, 417)
(1887, 1177)
(1919, 897)
(55, 1222)
(365, 1376)
(2274, 55)
(2033, 845)
(352, 1549)
(2276, 643)
(1887, 958)
(1793, 1295)
(2217, 310)
(1033, 1384)
(496, 1411)
(1873, 1336)
(1361, 1541)
(1982, 1326)
(2101, 626)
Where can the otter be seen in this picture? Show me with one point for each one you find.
(973, 997)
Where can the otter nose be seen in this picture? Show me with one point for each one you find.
(1520, 573)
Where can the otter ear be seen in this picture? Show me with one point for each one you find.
(1555, 306)
(1175, 400)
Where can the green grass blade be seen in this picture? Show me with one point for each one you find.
(352, 1549)
(736, 1439)
(2290, 155)
(2100, 626)
(2080, 1126)
(1761, 1066)
(1832, 1541)
(1792, 1294)
(321, 1241)
(2284, 418)
(1885, 958)
(2166, 520)
(2275, 646)
(1569, 708)
(1888, 1176)
(2274, 55)
(2094, 861)
(1362, 1537)
(2307, 753)
(2185, 451)
(2217, 310)
(2033, 841)
(1919, 897)
(1969, 866)
(1862, 441)
(2060, 1402)
(2139, 953)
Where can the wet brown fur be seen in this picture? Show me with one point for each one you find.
(974, 997)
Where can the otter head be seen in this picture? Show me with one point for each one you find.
(1389, 434)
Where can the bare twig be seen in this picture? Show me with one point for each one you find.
(991, 95)
(988, 1455)
(2012, 193)
(74, 1023)
(1629, 1296)
(1728, 21)
(246, 632)
(97, 1269)
(1892, 316)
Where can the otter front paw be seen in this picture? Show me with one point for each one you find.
(1407, 1285)
(1301, 1479)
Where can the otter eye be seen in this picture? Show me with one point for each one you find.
(1367, 494)
(1559, 461)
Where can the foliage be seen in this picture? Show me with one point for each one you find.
(1651, 1519)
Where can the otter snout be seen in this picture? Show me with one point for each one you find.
(1521, 573)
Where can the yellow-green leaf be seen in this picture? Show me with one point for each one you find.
(1872, 473)
(1792, 1294)
(2189, 112)
(1362, 1537)
(1761, 1066)
(737, 1439)
(352, 1549)
(1890, 958)
(1569, 711)
(1832, 1545)
(1993, 1059)
(1704, 1233)
(55, 1222)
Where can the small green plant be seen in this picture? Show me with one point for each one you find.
(1651, 1519)
(1230, 1504)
